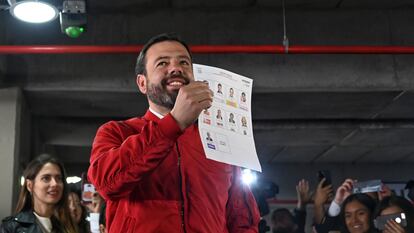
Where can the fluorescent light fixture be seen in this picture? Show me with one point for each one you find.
(73, 179)
(33, 11)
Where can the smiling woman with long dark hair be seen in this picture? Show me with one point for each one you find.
(356, 213)
(42, 206)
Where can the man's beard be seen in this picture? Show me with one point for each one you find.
(159, 94)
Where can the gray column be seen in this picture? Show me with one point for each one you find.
(14, 145)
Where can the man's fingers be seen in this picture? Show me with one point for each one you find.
(196, 85)
(203, 96)
(204, 104)
(197, 93)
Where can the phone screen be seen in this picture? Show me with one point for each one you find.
(87, 190)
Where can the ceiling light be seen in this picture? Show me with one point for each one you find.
(33, 11)
(73, 179)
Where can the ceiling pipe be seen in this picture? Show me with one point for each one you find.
(217, 49)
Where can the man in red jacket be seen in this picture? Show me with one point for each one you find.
(152, 170)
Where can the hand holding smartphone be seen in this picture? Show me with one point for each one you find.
(367, 186)
(324, 174)
(381, 221)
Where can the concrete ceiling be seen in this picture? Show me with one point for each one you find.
(306, 108)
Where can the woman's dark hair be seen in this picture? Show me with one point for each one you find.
(61, 219)
(363, 199)
(401, 203)
(142, 61)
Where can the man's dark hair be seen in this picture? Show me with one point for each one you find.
(141, 60)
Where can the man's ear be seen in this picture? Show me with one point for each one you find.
(29, 185)
(142, 83)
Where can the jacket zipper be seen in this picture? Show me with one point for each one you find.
(181, 187)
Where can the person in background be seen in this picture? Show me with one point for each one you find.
(283, 221)
(102, 220)
(331, 220)
(356, 212)
(152, 170)
(86, 215)
(42, 206)
(396, 205)
(322, 195)
(77, 211)
(96, 215)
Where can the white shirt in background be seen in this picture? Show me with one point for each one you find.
(334, 209)
(94, 222)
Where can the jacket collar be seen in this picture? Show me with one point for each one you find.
(25, 217)
(151, 116)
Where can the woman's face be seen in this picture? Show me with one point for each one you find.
(357, 217)
(47, 187)
(75, 207)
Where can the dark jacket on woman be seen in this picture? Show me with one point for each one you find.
(23, 222)
(26, 222)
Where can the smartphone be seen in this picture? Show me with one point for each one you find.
(368, 186)
(87, 190)
(324, 174)
(380, 221)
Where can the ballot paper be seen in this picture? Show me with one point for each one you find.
(226, 128)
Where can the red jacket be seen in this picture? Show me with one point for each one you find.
(156, 178)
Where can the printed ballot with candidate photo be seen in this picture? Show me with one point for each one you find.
(226, 128)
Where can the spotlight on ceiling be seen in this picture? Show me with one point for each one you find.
(73, 18)
(33, 11)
